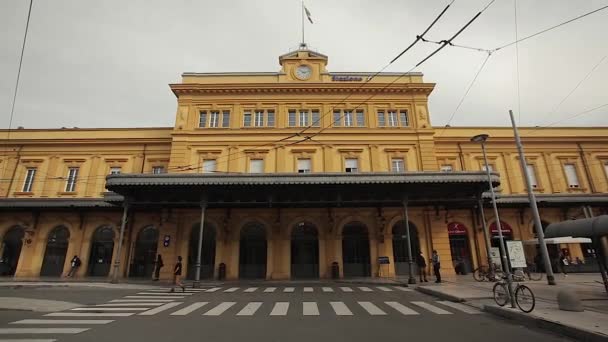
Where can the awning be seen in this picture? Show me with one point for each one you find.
(589, 227)
(559, 240)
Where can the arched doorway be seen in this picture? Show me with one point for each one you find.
(252, 252)
(11, 250)
(55, 252)
(355, 250)
(400, 254)
(102, 248)
(507, 233)
(304, 251)
(144, 255)
(459, 247)
(208, 251)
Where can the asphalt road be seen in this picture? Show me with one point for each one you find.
(288, 312)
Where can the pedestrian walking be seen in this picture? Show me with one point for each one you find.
(562, 263)
(74, 265)
(158, 265)
(436, 266)
(177, 275)
(421, 263)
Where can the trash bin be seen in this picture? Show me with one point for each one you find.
(221, 272)
(335, 270)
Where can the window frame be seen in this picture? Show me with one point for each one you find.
(360, 117)
(214, 119)
(225, 119)
(531, 169)
(156, 168)
(247, 118)
(28, 181)
(292, 118)
(115, 170)
(570, 184)
(351, 169)
(381, 117)
(253, 161)
(304, 170)
(393, 118)
(202, 119)
(213, 162)
(71, 179)
(399, 169)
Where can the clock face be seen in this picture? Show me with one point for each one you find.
(303, 72)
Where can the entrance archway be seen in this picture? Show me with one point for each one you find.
(400, 254)
(208, 251)
(11, 250)
(304, 251)
(55, 252)
(507, 233)
(459, 247)
(102, 248)
(355, 250)
(144, 255)
(252, 252)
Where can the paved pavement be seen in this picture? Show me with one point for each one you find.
(263, 312)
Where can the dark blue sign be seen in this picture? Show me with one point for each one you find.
(383, 260)
(167, 240)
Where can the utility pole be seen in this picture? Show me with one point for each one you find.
(538, 226)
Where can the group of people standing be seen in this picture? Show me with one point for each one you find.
(421, 263)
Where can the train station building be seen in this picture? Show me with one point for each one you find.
(291, 171)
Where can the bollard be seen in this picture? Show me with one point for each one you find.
(568, 300)
(335, 270)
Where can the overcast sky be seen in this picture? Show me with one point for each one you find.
(108, 63)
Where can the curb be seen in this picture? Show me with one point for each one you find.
(439, 294)
(558, 328)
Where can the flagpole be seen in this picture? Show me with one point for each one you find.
(303, 41)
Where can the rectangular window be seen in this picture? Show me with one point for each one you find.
(571, 175)
(270, 118)
(403, 118)
(259, 118)
(214, 119)
(392, 118)
(256, 166)
(397, 165)
(202, 119)
(115, 170)
(156, 170)
(304, 166)
(381, 119)
(209, 165)
(337, 118)
(348, 118)
(29, 179)
(532, 173)
(316, 119)
(70, 185)
(351, 165)
(304, 118)
(247, 119)
(226, 118)
(483, 167)
(446, 168)
(360, 118)
(292, 118)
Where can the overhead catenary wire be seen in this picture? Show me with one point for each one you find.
(517, 81)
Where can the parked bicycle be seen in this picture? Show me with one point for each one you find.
(528, 273)
(485, 273)
(524, 297)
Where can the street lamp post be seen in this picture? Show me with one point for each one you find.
(481, 139)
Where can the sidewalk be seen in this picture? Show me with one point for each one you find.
(590, 325)
(93, 282)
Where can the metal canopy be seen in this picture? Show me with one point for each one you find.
(300, 190)
(589, 227)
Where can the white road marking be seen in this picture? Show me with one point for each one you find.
(42, 330)
(341, 309)
(371, 308)
(270, 289)
(160, 309)
(403, 288)
(280, 309)
(308, 289)
(432, 308)
(129, 304)
(401, 308)
(148, 297)
(232, 289)
(162, 294)
(63, 321)
(188, 309)
(251, 289)
(460, 307)
(327, 289)
(162, 289)
(365, 289)
(141, 300)
(346, 289)
(213, 289)
(384, 288)
(249, 309)
(90, 314)
(289, 289)
(218, 310)
(28, 340)
(310, 309)
(109, 309)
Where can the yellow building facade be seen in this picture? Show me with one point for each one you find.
(296, 171)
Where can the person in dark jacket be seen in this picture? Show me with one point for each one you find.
(436, 266)
(159, 265)
(177, 275)
(74, 265)
(421, 263)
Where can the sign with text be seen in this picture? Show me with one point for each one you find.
(517, 257)
(167, 240)
(495, 255)
(383, 260)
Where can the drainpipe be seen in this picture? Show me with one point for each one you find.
(460, 157)
(586, 167)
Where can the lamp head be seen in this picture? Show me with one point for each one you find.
(480, 138)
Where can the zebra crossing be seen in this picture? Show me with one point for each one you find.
(152, 294)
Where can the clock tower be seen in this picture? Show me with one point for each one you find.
(303, 65)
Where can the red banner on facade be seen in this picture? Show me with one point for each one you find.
(457, 228)
(506, 229)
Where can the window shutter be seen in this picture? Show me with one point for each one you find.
(571, 175)
(209, 166)
(532, 173)
(256, 166)
(304, 165)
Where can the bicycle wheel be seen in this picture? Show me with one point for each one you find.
(525, 298)
(479, 273)
(501, 293)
